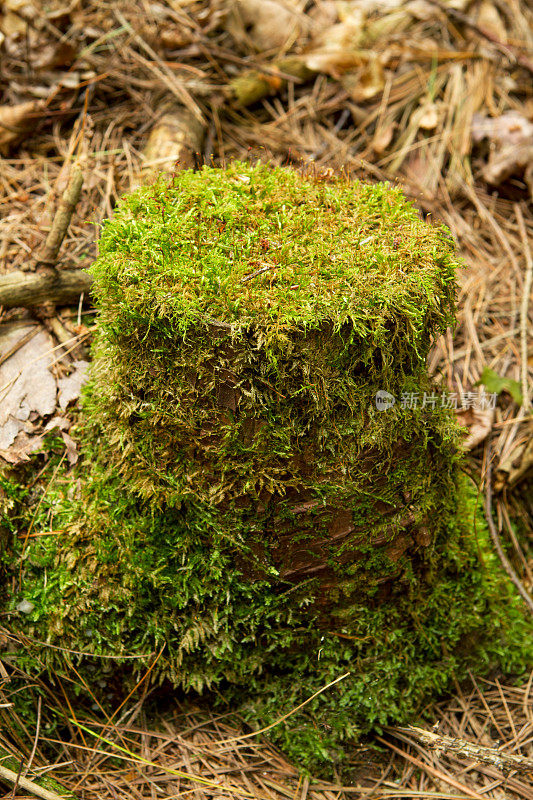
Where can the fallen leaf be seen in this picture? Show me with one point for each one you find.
(366, 83)
(420, 9)
(26, 384)
(70, 386)
(336, 50)
(383, 138)
(511, 146)
(14, 12)
(429, 116)
(266, 24)
(71, 448)
(52, 56)
(21, 448)
(15, 122)
(489, 20)
(479, 424)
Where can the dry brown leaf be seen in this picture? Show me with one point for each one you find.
(365, 83)
(479, 423)
(15, 121)
(383, 138)
(52, 56)
(511, 141)
(490, 20)
(14, 15)
(429, 116)
(420, 9)
(336, 50)
(21, 449)
(266, 24)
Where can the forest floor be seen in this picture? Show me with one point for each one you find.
(435, 95)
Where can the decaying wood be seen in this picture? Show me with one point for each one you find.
(506, 762)
(26, 289)
(173, 142)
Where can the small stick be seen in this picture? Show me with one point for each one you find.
(36, 739)
(432, 771)
(496, 539)
(25, 289)
(486, 755)
(29, 786)
(62, 219)
(524, 308)
(255, 274)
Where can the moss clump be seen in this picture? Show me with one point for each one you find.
(243, 501)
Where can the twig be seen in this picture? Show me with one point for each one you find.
(432, 771)
(524, 308)
(255, 274)
(36, 739)
(39, 791)
(62, 219)
(285, 716)
(24, 289)
(486, 755)
(495, 537)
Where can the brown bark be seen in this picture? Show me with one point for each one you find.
(27, 289)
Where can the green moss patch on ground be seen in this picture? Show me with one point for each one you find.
(243, 503)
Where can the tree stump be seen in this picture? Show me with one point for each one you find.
(272, 485)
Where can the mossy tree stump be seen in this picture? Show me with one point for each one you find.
(244, 502)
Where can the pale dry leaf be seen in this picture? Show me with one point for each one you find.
(266, 24)
(15, 122)
(489, 19)
(26, 383)
(70, 386)
(336, 50)
(429, 116)
(366, 83)
(71, 448)
(14, 15)
(21, 448)
(383, 137)
(511, 146)
(420, 9)
(479, 423)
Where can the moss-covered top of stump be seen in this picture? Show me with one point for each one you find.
(254, 245)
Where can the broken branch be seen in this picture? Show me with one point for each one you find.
(486, 755)
(25, 289)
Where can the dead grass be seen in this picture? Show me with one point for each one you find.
(95, 79)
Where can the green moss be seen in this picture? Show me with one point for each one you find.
(243, 503)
